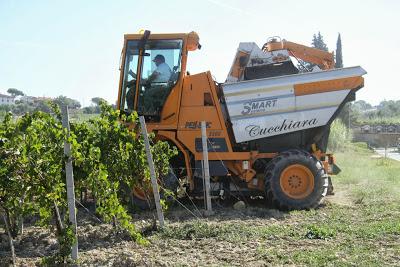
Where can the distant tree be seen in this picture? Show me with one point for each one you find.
(348, 110)
(15, 92)
(361, 112)
(91, 110)
(388, 108)
(43, 105)
(97, 100)
(65, 101)
(22, 108)
(317, 42)
(352, 113)
(362, 105)
(5, 108)
(339, 55)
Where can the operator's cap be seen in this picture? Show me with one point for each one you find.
(159, 57)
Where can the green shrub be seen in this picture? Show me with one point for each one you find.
(340, 137)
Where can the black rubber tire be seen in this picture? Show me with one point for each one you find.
(142, 204)
(170, 182)
(275, 195)
(134, 202)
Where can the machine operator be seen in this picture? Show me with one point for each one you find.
(160, 75)
(157, 91)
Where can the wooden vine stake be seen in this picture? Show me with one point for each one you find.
(70, 183)
(153, 177)
(206, 169)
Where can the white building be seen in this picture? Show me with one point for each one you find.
(7, 100)
(33, 99)
(27, 99)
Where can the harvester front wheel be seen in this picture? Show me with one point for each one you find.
(295, 179)
(144, 200)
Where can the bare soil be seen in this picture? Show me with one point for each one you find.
(255, 236)
(101, 245)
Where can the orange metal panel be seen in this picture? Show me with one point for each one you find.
(191, 38)
(310, 54)
(236, 167)
(156, 36)
(327, 86)
(224, 156)
(194, 88)
(193, 110)
(223, 121)
(251, 156)
(170, 112)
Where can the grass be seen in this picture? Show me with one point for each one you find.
(362, 229)
(375, 180)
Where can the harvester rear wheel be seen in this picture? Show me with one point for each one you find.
(295, 179)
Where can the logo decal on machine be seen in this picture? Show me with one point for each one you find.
(252, 107)
(196, 124)
(256, 130)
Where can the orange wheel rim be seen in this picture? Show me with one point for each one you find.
(297, 181)
(139, 193)
(143, 193)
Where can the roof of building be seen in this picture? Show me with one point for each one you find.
(6, 96)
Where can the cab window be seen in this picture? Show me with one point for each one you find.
(159, 67)
(160, 71)
(130, 79)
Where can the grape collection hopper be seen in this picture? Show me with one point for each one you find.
(279, 105)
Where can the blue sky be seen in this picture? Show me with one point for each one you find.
(72, 48)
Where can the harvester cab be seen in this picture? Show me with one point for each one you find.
(151, 69)
(267, 125)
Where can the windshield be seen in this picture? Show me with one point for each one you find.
(160, 70)
(129, 80)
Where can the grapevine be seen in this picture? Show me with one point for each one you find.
(108, 157)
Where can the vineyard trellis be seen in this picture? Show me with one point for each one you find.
(108, 158)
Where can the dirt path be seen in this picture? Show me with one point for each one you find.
(342, 196)
(392, 153)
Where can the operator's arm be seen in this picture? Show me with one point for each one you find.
(152, 77)
(132, 74)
